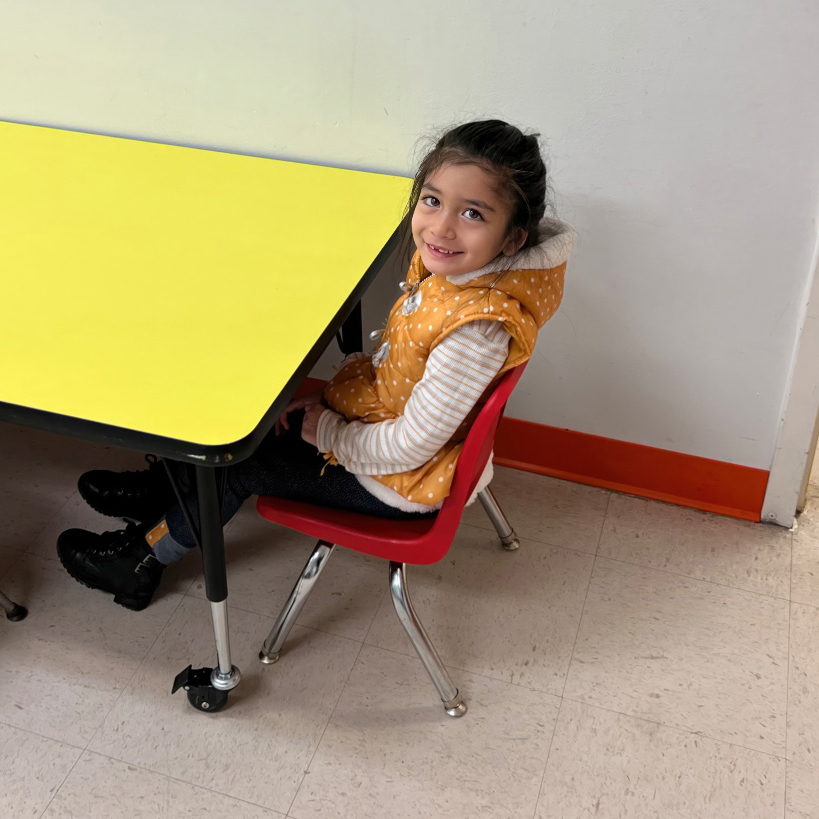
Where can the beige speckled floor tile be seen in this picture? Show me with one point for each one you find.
(73, 654)
(803, 686)
(75, 513)
(8, 557)
(259, 746)
(40, 471)
(32, 768)
(45, 461)
(803, 792)
(390, 750)
(698, 544)
(25, 512)
(264, 561)
(610, 766)
(556, 512)
(674, 649)
(512, 616)
(805, 573)
(102, 788)
(685, 653)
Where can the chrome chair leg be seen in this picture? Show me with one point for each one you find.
(295, 603)
(453, 702)
(506, 533)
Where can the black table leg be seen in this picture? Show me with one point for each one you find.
(208, 687)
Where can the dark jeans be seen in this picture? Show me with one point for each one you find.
(285, 466)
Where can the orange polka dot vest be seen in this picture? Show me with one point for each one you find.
(376, 388)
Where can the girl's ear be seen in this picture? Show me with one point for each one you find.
(515, 242)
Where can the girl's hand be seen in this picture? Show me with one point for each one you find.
(313, 397)
(309, 427)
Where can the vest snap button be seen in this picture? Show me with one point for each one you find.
(381, 354)
(412, 303)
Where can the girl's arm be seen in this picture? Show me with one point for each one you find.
(457, 373)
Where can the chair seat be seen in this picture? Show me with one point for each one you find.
(407, 541)
(417, 542)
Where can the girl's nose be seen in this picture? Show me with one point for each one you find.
(445, 225)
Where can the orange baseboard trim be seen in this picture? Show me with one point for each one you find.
(648, 472)
(659, 474)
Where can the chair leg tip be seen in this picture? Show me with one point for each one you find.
(17, 613)
(458, 709)
(511, 543)
(268, 659)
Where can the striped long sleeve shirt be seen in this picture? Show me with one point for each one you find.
(457, 373)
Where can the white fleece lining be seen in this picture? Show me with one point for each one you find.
(392, 498)
(551, 252)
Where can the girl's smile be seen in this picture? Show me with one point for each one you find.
(439, 251)
(461, 222)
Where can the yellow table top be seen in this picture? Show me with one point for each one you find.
(172, 291)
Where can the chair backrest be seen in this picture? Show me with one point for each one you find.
(476, 450)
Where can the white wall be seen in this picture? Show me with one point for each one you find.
(684, 140)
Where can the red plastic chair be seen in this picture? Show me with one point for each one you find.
(417, 542)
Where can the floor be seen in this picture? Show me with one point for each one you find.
(632, 659)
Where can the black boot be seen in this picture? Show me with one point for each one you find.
(144, 496)
(120, 563)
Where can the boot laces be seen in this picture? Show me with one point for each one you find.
(119, 540)
(135, 478)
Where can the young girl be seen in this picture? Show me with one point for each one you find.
(383, 436)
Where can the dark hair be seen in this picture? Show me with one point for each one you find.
(505, 152)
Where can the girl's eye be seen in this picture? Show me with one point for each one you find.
(472, 214)
(430, 201)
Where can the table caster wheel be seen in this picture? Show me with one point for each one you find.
(201, 693)
(208, 699)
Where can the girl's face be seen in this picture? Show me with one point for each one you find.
(460, 222)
